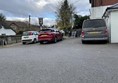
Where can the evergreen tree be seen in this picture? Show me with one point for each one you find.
(79, 21)
(64, 15)
(2, 18)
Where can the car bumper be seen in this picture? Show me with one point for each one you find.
(46, 39)
(27, 41)
(96, 39)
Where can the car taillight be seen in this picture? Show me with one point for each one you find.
(106, 31)
(82, 34)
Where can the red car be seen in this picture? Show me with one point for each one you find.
(50, 35)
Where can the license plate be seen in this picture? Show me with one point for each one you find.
(26, 37)
(94, 32)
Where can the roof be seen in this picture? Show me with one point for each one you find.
(17, 23)
(115, 6)
(109, 9)
(5, 26)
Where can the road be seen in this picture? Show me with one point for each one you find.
(67, 61)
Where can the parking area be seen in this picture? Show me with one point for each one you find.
(67, 61)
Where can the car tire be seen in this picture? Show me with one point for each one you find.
(34, 41)
(23, 43)
(61, 39)
(41, 42)
(55, 40)
(83, 42)
(106, 41)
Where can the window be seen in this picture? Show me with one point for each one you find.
(94, 23)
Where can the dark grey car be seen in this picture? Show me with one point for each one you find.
(94, 30)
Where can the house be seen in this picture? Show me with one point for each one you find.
(111, 18)
(4, 30)
(19, 26)
(98, 7)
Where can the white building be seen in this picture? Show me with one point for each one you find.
(108, 9)
(97, 12)
(6, 31)
(98, 7)
(111, 17)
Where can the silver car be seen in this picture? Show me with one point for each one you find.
(94, 30)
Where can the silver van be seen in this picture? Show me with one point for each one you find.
(94, 30)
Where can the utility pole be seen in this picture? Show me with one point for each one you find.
(29, 21)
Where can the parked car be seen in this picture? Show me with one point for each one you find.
(62, 31)
(50, 35)
(30, 37)
(94, 30)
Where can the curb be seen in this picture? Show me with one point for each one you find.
(9, 45)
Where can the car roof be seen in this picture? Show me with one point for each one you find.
(30, 31)
(94, 19)
(51, 29)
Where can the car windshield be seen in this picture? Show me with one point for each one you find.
(94, 23)
(27, 33)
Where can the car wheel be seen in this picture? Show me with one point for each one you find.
(55, 40)
(106, 41)
(41, 42)
(23, 43)
(34, 41)
(62, 38)
(83, 42)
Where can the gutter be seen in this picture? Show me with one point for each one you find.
(108, 10)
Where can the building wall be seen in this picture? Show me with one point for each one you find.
(99, 6)
(114, 27)
(14, 27)
(108, 23)
(97, 12)
(109, 2)
(97, 3)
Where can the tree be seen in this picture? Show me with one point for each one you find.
(2, 18)
(64, 15)
(79, 21)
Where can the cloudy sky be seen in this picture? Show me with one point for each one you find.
(21, 9)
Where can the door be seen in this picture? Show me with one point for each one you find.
(114, 27)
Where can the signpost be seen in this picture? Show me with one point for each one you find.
(40, 22)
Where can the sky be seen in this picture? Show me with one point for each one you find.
(21, 9)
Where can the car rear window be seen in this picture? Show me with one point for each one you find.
(94, 23)
(27, 33)
(47, 30)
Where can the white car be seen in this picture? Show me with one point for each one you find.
(30, 37)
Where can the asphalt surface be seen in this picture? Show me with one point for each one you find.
(67, 61)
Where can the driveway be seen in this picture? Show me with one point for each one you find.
(67, 61)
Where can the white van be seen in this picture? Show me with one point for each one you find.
(30, 37)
